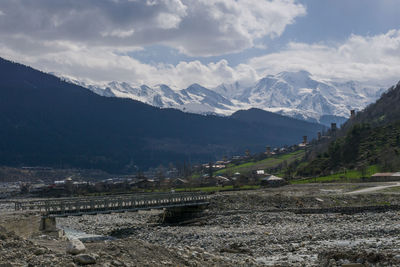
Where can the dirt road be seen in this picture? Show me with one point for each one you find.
(373, 189)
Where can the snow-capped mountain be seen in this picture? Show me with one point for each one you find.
(296, 94)
(194, 99)
(299, 95)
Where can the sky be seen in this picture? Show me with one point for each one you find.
(181, 42)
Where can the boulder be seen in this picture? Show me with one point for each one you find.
(39, 251)
(85, 259)
(75, 247)
(117, 263)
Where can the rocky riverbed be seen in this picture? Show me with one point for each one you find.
(254, 228)
(273, 238)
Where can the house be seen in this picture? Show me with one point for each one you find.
(272, 181)
(219, 166)
(383, 174)
(215, 180)
(384, 177)
(179, 182)
(143, 183)
(221, 180)
(165, 183)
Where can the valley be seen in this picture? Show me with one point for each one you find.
(190, 133)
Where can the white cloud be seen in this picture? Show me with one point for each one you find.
(119, 33)
(371, 59)
(100, 65)
(91, 39)
(364, 58)
(196, 27)
(168, 21)
(219, 27)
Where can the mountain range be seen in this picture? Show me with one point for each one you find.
(46, 121)
(295, 94)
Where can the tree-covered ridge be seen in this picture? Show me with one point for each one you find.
(385, 110)
(372, 137)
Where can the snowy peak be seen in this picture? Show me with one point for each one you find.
(194, 99)
(206, 96)
(298, 77)
(229, 91)
(301, 94)
(297, 94)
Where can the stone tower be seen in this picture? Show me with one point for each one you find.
(305, 139)
(333, 128)
(352, 114)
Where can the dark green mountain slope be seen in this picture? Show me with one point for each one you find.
(280, 123)
(372, 137)
(46, 121)
(385, 110)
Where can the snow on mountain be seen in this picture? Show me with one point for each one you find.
(229, 91)
(194, 99)
(299, 95)
(296, 94)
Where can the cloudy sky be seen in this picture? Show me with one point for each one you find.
(180, 42)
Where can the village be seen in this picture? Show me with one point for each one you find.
(155, 180)
(42, 181)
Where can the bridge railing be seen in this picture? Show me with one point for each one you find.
(114, 203)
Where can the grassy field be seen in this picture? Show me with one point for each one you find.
(265, 164)
(348, 176)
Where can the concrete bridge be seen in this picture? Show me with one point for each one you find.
(174, 203)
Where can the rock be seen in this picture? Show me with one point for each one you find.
(117, 263)
(352, 265)
(39, 251)
(75, 247)
(85, 259)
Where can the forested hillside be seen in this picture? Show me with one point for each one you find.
(371, 138)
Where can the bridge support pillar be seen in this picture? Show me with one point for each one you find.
(49, 226)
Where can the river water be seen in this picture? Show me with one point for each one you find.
(84, 237)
